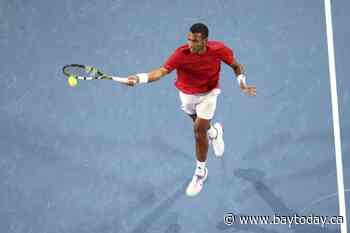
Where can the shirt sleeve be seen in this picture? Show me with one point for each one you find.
(226, 55)
(172, 62)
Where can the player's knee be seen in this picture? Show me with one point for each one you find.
(200, 131)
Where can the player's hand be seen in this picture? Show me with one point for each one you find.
(249, 90)
(132, 80)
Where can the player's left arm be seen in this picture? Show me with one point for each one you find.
(241, 78)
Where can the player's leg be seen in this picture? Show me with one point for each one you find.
(188, 105)
(200, 129)
(206, 109)
(201, 110)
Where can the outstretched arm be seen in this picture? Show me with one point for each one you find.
(239, 71)
(153, 75)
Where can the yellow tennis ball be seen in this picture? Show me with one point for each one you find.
(72, 81)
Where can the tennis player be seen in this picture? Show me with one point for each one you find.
(197, 65)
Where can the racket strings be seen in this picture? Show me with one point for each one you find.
(81, 71)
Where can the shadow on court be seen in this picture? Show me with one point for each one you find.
(311, 139)
(158, 211)
(255, 177)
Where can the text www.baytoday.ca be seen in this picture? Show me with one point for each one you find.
(231, 218)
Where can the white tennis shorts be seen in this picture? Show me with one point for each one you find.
(203, 105)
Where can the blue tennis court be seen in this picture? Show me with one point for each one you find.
(106, 158)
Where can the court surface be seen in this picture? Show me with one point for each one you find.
(106, 158)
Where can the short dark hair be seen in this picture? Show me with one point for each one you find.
(200, 28)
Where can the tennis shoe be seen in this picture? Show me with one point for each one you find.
(196, 184)
(218, 141)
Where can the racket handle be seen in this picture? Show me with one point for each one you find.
(119, 79)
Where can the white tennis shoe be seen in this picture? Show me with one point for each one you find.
(218, 141)
(196, 184)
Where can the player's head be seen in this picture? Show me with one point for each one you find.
(197, 37)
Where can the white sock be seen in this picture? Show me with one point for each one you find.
(212, 132)
(200, 168)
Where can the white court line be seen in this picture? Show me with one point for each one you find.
(335, 113)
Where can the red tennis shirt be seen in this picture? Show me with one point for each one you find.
(199, 73)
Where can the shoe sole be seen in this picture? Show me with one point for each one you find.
(221, 132)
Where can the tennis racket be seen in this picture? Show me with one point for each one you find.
(85, 72)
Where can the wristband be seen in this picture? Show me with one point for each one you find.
(143, 77)
(241, 79)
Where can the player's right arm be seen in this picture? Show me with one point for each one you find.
(152, 76)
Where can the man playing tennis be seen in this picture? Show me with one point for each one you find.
(198, 67)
